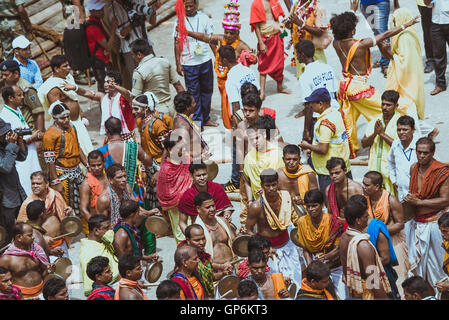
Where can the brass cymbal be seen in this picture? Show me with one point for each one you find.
(212, 169)
(227, 283)
(240, 245)
(63, 267)
(153, 271)
(294, 236)
(156, 225)
(71, 225)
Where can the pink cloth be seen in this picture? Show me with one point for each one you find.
(187, 206)
(36, 252)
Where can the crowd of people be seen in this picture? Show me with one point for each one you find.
(309, 229)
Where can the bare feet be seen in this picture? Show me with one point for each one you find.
(433, 134)
(437, 90)
(210, 123)
(300, 114)
(281, 89)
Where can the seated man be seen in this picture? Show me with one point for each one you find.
(98, 243)
(131, 271)
(200, 183)
(415, 288)
(8, 291)
(262, 243)
(273, 214)
(319, 235)
(56, 210)
(55, 289)
(168, 290)
(270, 285)
(27, 262)
(186, 263)
(247, 290)
(99, 271)
(218, 231)
(317, 285)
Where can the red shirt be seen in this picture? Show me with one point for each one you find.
(95, 34)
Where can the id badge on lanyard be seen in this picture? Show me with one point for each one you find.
(198, 49)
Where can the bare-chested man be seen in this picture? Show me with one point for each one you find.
(341, 188)
(295, 177)
(93, 186)
(53, 89)
(363, 272)
(355, 58)
(273, 215)
(218, 231)
(27, 262)
(429, 195)
(130, 288)
(56, 210)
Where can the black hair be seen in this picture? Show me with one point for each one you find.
(247, 288)
(201, 197)
(57, 60)
(96, 220)
(142, 46)
(252, 100)
(416, 284)
(428, 141)
(291, 149)
(182, 101)
(343, 24)
(355, 208)
(188, 231)
(375, 178)
(266, 122)
(317, 270)
(116, 75)
(227, 52)
(248, 87)
(96, 266)
(305, 47)
(391, 96)
(167, 289)
(59, 108)
(52, 287)
(268, 176)
(128, 207)
(113, 125)
(95, 154)
(196, 166)
(17, 229)
(34, 209)
(443, 221)
(256, 255)
(127, 262)
(258, 242)
(170, 142)
(41, 174)
(7, 92)
(334, 162)
(406, 121)
(4, 270)
(112, 170)
(314, 196)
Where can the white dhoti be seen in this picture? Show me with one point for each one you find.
(288, 262)
(27, 167)
(83, 136)
(401, 251)
(340, 286)
(425, 252)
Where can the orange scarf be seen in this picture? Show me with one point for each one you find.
(278, 283)
(303, 178)
(96, 188)
(435, 175)
(305, 287)
(312, 239)
(382, 210)
(129, 284)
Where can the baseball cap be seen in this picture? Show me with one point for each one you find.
(95, 5)
(9, 65)
(4, 127)
(20, 42)
(320, 94)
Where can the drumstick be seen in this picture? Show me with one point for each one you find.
(226, 294)
(152, 284)
(60, 236)
(5, 247)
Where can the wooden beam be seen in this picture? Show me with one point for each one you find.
(46, 14)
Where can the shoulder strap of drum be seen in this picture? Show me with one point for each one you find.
(150, 130)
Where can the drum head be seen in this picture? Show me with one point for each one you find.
(156, 225)
(227, 283)
(71, 225)
(63, 267)
(294, 236)
(292, 290)
(240, 245)
(212, 169)
(153, 272)
(3, 234)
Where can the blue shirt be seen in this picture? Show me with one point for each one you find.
(368, 2)
(31, 72)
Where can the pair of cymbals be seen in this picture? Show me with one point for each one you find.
(71, 226)
(157, 225)
(228, 283)
(212, 169)
(153, 271)
(240, 245)
(63, 269)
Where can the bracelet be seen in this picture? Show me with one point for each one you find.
(55, 182)
(76, 87)
(403, 27)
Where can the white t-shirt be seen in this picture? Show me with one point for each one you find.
(440, 12)
(237, 76)
(199, 23)
(318, 75)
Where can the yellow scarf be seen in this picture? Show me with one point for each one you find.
(309, 237)
(287, 214)
(302, 176)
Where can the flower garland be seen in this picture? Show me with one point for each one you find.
(223, 72)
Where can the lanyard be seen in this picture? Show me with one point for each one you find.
(19, 115)
(409, 154)
(197, 24)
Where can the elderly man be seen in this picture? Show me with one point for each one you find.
(29, 69)
(56, 209)
(27, 262)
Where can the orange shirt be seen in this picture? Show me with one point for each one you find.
(160, 128)
(196, 287)
(52, 143)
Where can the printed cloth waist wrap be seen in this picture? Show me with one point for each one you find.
(69, 173)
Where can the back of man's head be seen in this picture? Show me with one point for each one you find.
(141, 46)
(256, 256)
(52, 287)
(416, 288)
(247, 289)
(128, 208)
(355, 208)
(258, 241)
(168, 290)
(113, 125)
(267, 123)
(227, 52)
(317, 271)
(34, 209)
(95, 221)
(306, 48)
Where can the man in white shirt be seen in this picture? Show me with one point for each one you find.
(195, 62)
(316, 75)
(440, 36)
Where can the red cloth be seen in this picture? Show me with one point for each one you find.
(435, 176)
(172, 182)
(127, 112)
(335, 211)
(258, 12)
(187, 206)
(246, 58)
(272, 62)
(204, 256)
(423, 218)
(186, 286)
(95, 34)
(244, 269)
(182, 30)
(270, 112)
(280, 240)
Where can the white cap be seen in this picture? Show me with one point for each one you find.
(95, 5)
(20, 42)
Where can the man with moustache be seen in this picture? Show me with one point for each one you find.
(8, 291)
(129, 287)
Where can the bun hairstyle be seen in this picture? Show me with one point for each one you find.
(57, 108)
